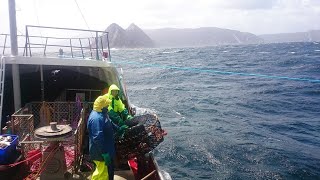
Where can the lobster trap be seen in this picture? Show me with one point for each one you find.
(145, 133)
(24, 122)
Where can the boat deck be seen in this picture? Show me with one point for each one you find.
(118, 175)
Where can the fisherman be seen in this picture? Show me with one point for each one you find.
(101, 139)
(116, 110)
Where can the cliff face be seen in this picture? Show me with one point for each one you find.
(206, 36)
(132, 37)
(117, 36)
(309, 36)
(137, 38)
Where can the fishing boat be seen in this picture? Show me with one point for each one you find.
(54, 80)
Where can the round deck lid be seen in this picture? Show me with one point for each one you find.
(53, 131)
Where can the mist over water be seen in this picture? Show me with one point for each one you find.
(232, 125)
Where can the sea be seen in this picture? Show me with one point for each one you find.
(231, 112)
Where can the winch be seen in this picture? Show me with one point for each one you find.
(53, 157)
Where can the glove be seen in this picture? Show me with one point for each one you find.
(107, 159)
(129, 117)
(115, 118)
(124, 114)
(122, 130)
(120, 122)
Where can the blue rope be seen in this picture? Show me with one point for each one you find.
(216, 72)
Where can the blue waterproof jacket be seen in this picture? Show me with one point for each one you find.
(101, 135)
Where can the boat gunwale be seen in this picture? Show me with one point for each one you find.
(57, 61)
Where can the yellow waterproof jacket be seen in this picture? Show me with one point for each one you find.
(116, 104)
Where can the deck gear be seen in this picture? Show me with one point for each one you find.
(45, 114)
(145, 133)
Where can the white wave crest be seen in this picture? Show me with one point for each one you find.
(165, 175)
(142, 111)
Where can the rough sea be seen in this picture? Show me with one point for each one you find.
(231, 112)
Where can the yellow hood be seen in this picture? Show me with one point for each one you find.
(112, 87)
(100, 103)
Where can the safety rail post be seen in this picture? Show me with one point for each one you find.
(97, 46)
(4, 45)
(90, 47)
(24, 48)
(81, 48)
(2, 78)
(109, 55)
(71, 48)
(25, 51)
(41, 83)
(101, 44)
(45, 47)
(28, 41)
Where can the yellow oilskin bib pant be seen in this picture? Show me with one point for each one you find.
(101, 171)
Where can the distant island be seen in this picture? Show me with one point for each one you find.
(310, 36)
(135, 37)
(132, 37)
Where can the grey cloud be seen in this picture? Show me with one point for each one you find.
(249, 4)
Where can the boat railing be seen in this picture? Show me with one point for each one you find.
(60, 42)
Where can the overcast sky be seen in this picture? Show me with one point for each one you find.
(255, 16)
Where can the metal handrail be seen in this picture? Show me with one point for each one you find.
(49, 37)
(28, 44)
(71, 29)
(84, 46)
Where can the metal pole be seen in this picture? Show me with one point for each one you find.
(25, 51)
(101, 44)
(90, 48)
(27, 34)
(45, 47)
(97, 46)
(14, 52)
(71, 49)
(4, 45)
(13, 27)
(81, 48)
(42, 83)
(108, 47)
